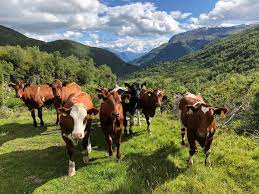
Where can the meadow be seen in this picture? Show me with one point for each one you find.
(35, 160)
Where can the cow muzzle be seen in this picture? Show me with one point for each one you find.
(116, 114)
(78, 136)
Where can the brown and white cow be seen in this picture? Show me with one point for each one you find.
(61, 92)
(34, 97)
(75, 122)
(198, 118)
(111, 116)
(149, 101)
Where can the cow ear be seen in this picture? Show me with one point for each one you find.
(220, 111)
(128, 85)
(12, 84)
(26, 85)
(64, 111)
(102, 96)
(143, 86)
(191, 109)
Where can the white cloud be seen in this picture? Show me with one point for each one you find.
(230, 12)
(180, 15)
(138, 45)
(45, 17)
(55, 36)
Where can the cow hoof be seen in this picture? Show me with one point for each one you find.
(183, 143)
(42, 124)
(207, 162)
(86, 159)
(190, 163)
(72, 172)
(130, 132)
(35, 124)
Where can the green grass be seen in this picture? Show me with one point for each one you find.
(35, 160)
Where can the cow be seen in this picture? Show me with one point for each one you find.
(198, 118)
(34, 97)
(111, 117)
(61, 93)
(75, 121)
(130, 105)
(149, 101)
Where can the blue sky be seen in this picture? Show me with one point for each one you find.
(122, 25)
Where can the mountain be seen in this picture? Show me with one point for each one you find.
(225, 73)
(128, 56)
(184, 43)
(67, 48)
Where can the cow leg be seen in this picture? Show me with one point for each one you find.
(207, 151)
(148, 123)
(125, 124)
(118, 144)
(183, 134)
(40, 116)
(193, 147)
(131, 124)
(138, 117)
(33, 117)
(86, 144)
(57, 121)
(109, 142)
(71, 152)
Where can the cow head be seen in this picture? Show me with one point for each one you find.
(157, 97)
(112, 102)
(80, 115)
(56, 88)
(19, 88)
(133, 90)
(205, 111)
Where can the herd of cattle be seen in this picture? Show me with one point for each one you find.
(75, 112)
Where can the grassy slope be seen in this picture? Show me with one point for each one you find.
(34, 160)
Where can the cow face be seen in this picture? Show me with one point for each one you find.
(19, 87)
(57, 88)
(112, 103)
(134, 90)
(157, 97)
(79, 115)
(205, 112)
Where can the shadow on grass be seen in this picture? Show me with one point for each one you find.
(24, 171)
(98, 141)
(146, 172)
(12, 131)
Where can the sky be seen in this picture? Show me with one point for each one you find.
(122, 25)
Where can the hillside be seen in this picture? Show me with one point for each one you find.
(67, 48)
(184, 43)
(225, 73)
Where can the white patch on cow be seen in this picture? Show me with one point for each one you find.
(43, 99)
(78, 113)
(69, 136)
(71, 168)
(190, 161)
(205, 109)
(38, 90)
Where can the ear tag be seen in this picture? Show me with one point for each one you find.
(222, 114)
(127, 100)
(149, 94)
(190, 112)
(92, 116)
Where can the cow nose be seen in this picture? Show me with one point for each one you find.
(116, 114)
(77, 136)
